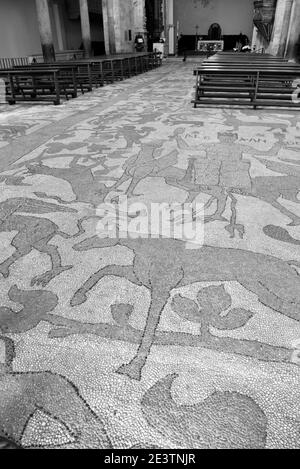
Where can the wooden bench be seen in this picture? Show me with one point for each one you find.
(85, 75)
(248, 79)
(51, 81)
(247, 86)
(108, 70)
(68, 77)
(33, 85)
(118, 68)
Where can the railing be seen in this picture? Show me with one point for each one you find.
(13, 62)
(6, 63)
(64, 55)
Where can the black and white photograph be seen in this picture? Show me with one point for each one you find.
(150, 227)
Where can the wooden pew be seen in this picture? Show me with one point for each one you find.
(85, 76)
(265, 86)
(249, 79)
(238, 58)
(49, 82)
(32, 85)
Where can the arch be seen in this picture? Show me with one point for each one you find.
(215, 32)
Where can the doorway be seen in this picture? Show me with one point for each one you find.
(154, 21)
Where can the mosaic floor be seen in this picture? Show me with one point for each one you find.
(143, 343)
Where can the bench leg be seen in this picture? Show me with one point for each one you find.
(57, 90)
(90, 78)
(12, 100)
(74, 80)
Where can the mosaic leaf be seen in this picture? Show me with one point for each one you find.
(121, 313)
(214, 300)
(236, 318)
(186, 308)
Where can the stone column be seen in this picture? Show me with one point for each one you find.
(106, 26)
(85, 27)
(254, 40)
(259, 41)
(281, 28)
(43, 15)
(158, 17)
(58, 26)
(139, 18)
(171, 27)
(166, 27)
(294, 35)
(117, 24)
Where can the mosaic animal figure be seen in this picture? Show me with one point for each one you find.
(10, 180)
(43, 397)
(280, 234)
(161, 265)
(223, 420)
(32, 233)
(85, 185)
(132, 135)
(45, 409)
(7, 444)
(12, 131)
(147, 163)
(223, 173)
(36, 304)
(271, 188)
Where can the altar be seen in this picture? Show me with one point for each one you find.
(210, 46)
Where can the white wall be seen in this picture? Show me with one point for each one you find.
(234, 16)
(19, 34)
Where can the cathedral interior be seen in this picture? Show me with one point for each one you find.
(149, 225)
